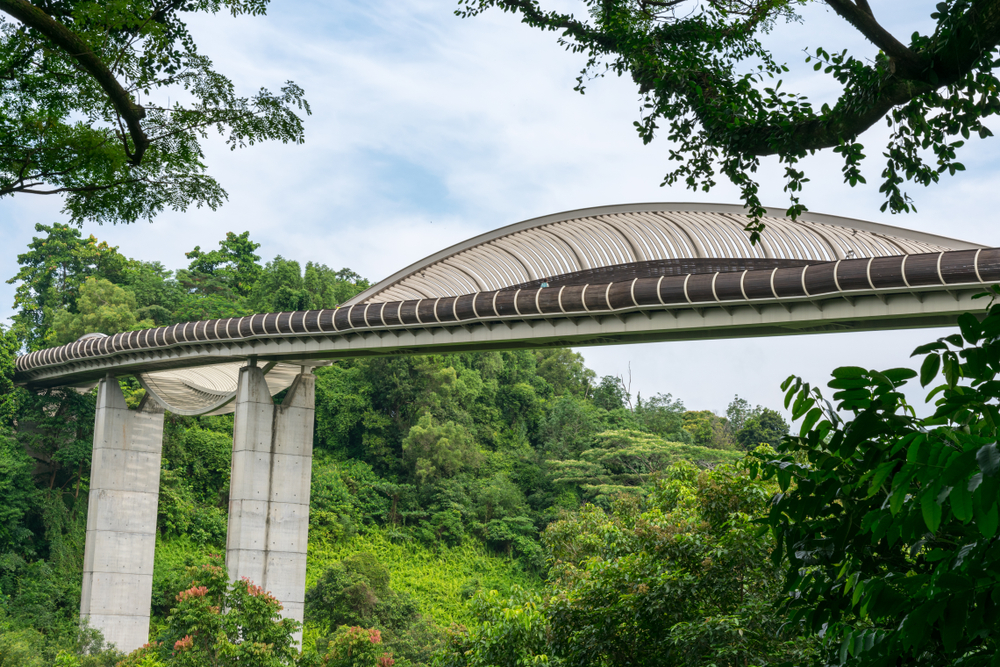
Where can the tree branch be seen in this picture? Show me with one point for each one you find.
(865, 7)
(78, 49)
(906, 61)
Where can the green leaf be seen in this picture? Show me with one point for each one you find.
(970, 327)
(849, 372)
(961, 502)
(810, 420)
(929, 347)
(897, 375)
(931, 511)
(929, 369)
(896, 501)
(986, 521)
(988, 458)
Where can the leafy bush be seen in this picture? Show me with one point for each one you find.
(356, 647)
(215, 622)
(890, 521)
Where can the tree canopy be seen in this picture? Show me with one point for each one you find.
(706, 74)
(106, 103)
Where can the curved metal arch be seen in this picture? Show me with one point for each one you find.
(208, 390)
(599, 237)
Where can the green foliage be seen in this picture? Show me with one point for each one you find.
(52, 272)
(434, 576)
(350, 593)
(215, 622)
(708, 429)
(664, 416)
(232, 270)
(356, 592)
(753, 427)
(610, 394)
(157, 294)
(765, 428)
(8, 358)
(56, 427)
(509, 631)
(570, 427)
(102, 307)
(705, 76)
(438, 450)
(622, 461)
(356, 647)
(282, 287)
(888, 520)
(680, 576)
(20, 497)
(565, 371)
(92, 109)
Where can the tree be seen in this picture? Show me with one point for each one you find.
(439, 450)
(767, 427)
(233, 268)
(511, 631)
(752, 427)
(8, 359)
(215, 622)
(18, 495)
(611, 394)
(708, 429)
(704, 73)
(889, 521)
(157, 294)
(679, 577)
(625, 461)
(570, 427)
(281, 286)
(51, 274)
(101, 308)
(662, 415)
(91, 106)
(565, 371)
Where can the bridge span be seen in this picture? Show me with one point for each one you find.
(620, 274)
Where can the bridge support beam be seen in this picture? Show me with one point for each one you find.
(121, 518)
(269, 490)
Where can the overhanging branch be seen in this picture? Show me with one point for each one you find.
(78, 49)
(905, 60)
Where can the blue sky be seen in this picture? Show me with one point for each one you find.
(428, 129)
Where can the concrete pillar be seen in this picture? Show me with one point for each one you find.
(121, 518)
(269, 490)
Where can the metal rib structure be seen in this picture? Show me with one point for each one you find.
(207, 390)
(589, 239)
(857, 278)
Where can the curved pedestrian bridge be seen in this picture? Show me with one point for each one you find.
(622, 274)
(637, 273)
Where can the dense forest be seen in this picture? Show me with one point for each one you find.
(511, 508)
(437, 479)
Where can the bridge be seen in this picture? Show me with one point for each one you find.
(609, 275)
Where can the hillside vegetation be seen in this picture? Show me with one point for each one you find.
(440, 482)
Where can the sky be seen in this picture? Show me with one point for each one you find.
(428, 129)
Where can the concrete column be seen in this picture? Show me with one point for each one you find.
(269, 490)
(121, 518)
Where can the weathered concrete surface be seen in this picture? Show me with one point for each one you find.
(269, 490)
(121, 519)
